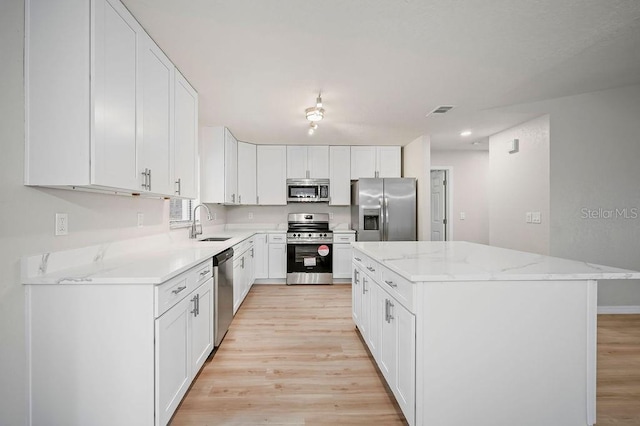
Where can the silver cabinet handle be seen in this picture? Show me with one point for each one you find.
(364, 285)
(257, 199)
(179, 289)
(252, 252)
(371, 269)
(239, 199)
(146, 184)
(356, 273)
(203, 273)
(391, 284)
(233, 198)
(242, 262)
(149, 184)
(358, 259)
(197, 304)
(179, 184)
(386, 310)
(194, 299)
(391, 306)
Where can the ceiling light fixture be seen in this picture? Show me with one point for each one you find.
(315, 113)
(312, 128)
(465, 133)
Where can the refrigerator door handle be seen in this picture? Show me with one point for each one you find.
(386, 218)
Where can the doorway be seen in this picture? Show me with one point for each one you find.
(440, 204)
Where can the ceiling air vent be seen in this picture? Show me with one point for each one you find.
(442, 109)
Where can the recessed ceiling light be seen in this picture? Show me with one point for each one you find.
(475, 143)
(465, 133)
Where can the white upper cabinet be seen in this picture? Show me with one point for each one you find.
(339, 175)
(246, 173)
(218, 166)
(185, 166)
(271, 174)
(307, 162)
(375, 161)
(116, 88)
(100, 100)
(155, 126)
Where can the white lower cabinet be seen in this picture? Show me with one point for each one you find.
(261, 256)
(389, 330)
(342, 254)
(122, 354)
(278, 255)
(243, 271)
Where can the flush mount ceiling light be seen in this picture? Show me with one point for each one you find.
(465, 133)
(315, 113)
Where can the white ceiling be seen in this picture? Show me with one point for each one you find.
(382, 65)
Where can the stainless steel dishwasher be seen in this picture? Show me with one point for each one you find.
(223, 293)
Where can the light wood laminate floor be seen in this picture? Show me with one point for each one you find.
(292, 357)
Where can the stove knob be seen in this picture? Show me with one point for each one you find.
(309, 235)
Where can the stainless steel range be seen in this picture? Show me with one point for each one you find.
(309, 249)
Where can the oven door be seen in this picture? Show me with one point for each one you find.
(309, 263)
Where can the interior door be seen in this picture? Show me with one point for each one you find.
(438, 206)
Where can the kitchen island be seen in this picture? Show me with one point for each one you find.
(471, 334)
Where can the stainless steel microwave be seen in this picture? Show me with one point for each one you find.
(307, 190)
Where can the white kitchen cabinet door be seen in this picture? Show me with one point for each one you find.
(340, 176)
(342, 260)
(271, 174)
(277, 261)
(405, 379)
(388, 163)
(246, 173)
(388, 339)
(185, 166)
(238, 282)
(201, 325)
(318, 162)
(172, 358)
(115, 97)
(218, 166)
(297, 162)
(231, 168)
(375, 319)
(356, 295)
(261, 256)
(155, 125)
(363, 162)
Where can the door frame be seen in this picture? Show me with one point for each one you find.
(448, 196)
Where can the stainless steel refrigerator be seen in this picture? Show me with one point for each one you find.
(384, 209)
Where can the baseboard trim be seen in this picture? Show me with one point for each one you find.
(619, 309)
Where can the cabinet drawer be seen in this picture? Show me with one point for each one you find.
(203, 272)
(173, 291)
(277, 238)
(343, 238)
(399, 287)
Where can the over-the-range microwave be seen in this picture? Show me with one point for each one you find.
(307, 190)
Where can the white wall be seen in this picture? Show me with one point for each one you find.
(519, 183)
(416, 160)
(278, 214)
(468, 185)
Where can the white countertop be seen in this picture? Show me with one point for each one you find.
(149, 260)
(463, 261)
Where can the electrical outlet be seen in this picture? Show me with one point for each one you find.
(331, 216)
(62, 224)
(528, 217)
(463, 215)
(140, 220)
(214, 216)
(535, 217)
(250, 216)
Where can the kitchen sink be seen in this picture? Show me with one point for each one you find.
(215, 239)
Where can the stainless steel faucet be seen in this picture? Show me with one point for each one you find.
(193, 231)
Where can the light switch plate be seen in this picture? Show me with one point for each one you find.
(62, 224)
(140, 220)
(463, 215)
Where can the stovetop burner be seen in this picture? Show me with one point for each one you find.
(309, 228)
